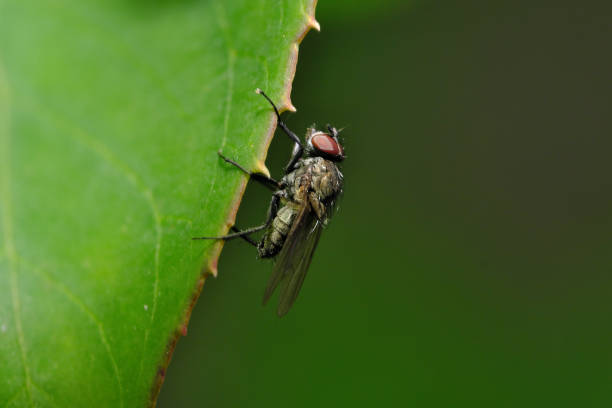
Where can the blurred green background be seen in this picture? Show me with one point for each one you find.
(470, 261)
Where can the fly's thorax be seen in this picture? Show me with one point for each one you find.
(313, 174)
(275, 235)
(326, 180)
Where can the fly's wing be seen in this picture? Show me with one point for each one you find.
(294, 259)
(292, 285)
(284, 262)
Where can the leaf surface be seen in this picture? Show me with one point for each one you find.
(111, 116)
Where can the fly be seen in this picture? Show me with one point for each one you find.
(302, 202)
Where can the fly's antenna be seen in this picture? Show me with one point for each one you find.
(262, 93)
(334, 132)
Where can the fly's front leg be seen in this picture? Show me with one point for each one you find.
(295, 156)
(272, 211)
(266, 181)
(297, 148)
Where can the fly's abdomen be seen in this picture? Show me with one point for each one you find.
(275, 235)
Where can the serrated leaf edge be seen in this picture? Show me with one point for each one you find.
(210, 269)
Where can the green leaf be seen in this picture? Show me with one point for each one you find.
(111, 116)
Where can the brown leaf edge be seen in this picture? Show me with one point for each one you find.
(211, 268)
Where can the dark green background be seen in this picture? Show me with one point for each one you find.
(470, 263)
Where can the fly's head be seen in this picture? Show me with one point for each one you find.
(324, 144)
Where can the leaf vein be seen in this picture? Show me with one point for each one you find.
(101, 150)
(231, 61)
(75, 299)
(7, 224)
(42, 391)
(14, 396)
(80, 136)
(106, 154)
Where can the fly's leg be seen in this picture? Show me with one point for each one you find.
(266, 181)
(295, 156)
(272, 211)
(245, 237)
(297, 147)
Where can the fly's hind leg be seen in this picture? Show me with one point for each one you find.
(272, 211)
(266, 181)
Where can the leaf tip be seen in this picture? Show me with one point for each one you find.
(212, 268)
(260, 167)
(288, 105)
(313, 23)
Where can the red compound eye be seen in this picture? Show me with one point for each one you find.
(326, 144)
